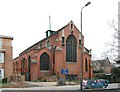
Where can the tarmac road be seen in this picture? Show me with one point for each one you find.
(51, 86)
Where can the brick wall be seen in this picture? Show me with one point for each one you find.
(7, 46)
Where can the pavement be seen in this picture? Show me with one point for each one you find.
(43, 84)
(48, 84)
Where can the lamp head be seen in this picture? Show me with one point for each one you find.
(88, 3)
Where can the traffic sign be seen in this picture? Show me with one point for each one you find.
(64, 71)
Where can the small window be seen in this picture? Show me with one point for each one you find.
(86, 64)
(1, 57)
(1, 73)
(62, 40)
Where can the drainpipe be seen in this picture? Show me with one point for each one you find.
(54, 47)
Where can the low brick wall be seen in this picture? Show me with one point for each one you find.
(51, 79)
(19, 80)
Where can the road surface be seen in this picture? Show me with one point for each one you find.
(67, 87)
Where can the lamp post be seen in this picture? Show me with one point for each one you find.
(81, 74)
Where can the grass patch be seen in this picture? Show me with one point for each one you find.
(5, 85)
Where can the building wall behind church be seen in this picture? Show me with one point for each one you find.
(7, 49)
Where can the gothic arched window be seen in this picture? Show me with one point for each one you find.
(44, 61)
(71, 49)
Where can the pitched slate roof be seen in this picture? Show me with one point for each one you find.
(103, 62)
(54, 33)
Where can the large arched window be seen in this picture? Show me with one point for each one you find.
(44, 61)
(71, 49)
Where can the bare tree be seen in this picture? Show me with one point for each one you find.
(113, 52)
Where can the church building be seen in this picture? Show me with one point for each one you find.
(57, 54)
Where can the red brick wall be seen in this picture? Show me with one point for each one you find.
(7, 45)
(87, 74)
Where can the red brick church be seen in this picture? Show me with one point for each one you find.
(60, 50)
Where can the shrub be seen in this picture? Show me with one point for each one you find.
(4, 80)
(42, 79)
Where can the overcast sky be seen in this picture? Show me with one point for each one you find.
(28, 20)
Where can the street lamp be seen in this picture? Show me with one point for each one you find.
(81, 74)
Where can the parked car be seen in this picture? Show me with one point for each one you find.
(85, 84)
(104, 82)
(94, 83)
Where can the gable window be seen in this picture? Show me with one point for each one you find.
(71, 26)
(71, 49)
(1, 73)
(86, 64)
(1, 57)
(44, 61)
